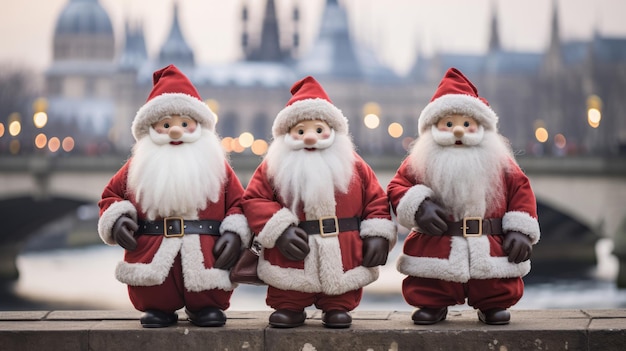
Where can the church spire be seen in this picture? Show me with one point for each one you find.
(494, 40)
(175, 49)
(269, 48)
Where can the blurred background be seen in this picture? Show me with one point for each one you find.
(76, 71)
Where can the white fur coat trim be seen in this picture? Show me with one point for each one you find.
(196, 276)
(469, 259)
(323, 271)
(237, 223)
(380, 227)
(409, 204)
(153, 273)
(275, 226)
(521, 222)
(110, 215)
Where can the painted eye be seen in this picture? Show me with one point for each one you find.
(449, 124)
(466, 124)
(300, 131)
(185, 124)
(319, 130)
(166, 125)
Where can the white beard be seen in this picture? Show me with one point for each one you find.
(179, 180)
(310, 178)
(465, 180)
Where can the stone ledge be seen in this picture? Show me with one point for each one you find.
(371, 330)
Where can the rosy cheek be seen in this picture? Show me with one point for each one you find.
(472, 129)
(191, 128)
(160, 130)
(325, 135)
(442, 128)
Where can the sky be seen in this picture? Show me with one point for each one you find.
(394, 29)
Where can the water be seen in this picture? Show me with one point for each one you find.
(84, 279)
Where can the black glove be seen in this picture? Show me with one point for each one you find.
(430, 218)
(226, 250)
(293, 243)
(122, 233)
(517, 246)
(375, 251)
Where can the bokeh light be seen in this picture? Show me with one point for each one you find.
(246, 139)
(54, 144)
(226, 144)
(40, 119)
(259, 147)
(371, 121)
(41, 140)
(541, 134)
(68, 144)
(236, 146)
(395, 130)
(560, 141)
(593, 117)
(15, 128)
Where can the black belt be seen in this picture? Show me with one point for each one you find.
(176, 226)
(475, 226)
(330, 226)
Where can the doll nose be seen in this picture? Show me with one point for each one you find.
(309, 138)
(175, 132)
(458, 132)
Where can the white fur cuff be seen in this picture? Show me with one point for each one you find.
(521, 222)
(276, 225)
(237, 223)
(409, 204)
(108, 218)
(380, 227)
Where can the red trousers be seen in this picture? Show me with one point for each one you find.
(297, 301)
(172, 295)
(483, 294)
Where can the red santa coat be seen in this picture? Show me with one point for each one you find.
(150, 263)
(459, 259)
(333, 265)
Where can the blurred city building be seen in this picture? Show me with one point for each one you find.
(567, 100)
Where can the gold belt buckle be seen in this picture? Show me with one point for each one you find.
(326, 234)
(465, 227)
(166, 228)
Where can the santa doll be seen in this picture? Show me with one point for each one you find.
(471, 209)
(175, 207)
(319, 213)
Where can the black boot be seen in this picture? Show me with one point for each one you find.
(287, 318)
(495, 316)
(425, 315)
(207, 317)
(158, 319)
(336, 319)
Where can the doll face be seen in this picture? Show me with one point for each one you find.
(310, 135)
(175, 127)
(457, 130)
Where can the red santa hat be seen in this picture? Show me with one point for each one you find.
(172, 93)
(457, 95)
(309, 101)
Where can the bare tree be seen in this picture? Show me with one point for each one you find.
(18, 89)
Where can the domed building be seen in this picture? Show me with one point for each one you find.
(81, 79)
